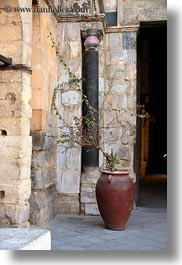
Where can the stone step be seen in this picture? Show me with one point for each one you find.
(25, 239)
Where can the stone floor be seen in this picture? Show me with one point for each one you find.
(146, 229)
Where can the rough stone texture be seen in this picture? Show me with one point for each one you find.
(15, 114)
(12, 215)
(69, 104)
(144, 10)
(120, 96)
(89, 179)
(44, 120)
(68, 203)
(43, 205)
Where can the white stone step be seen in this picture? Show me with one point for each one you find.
(25, 239)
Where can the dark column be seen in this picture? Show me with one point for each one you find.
(90, 157)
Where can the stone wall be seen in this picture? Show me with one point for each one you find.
(120, 99)
(15, 148)
(69, 104)
(15, 114)
(144, 10)
(44, 121)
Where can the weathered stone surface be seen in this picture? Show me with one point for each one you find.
(14, 215)
(43, 169)
(68, 203)
(16, 146)
(69, 181)
(15, 94)
(143, 10)
(43, 205)
(70, 98)
(15, 126)
(15, 168)
(91, 209)
(15, 191)
(88, 183)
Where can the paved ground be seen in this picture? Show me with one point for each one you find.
(146, 230)
(24, 239)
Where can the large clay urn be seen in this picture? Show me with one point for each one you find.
(115, 197)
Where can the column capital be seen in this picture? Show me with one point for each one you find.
(91, 38)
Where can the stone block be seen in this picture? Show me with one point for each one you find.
(16, 146)
(38, 121)
(11, 76)
(91, 209)
(61, 158)
(115, 40)
(70, 112)
(70, 98)
(15, 192)
(88, 197)
(43, 141)
(69, 181)
(68, 204)
(111, 119)
(25, 239)
(38, 140)
(43, 206)
(38, 99)
(14, 215)
(15, 168)
(13, 88)
(36, 77)
(119, 102)
(112, 135)
(8, 109)
(73, 158)
(18, 213)
(43, 169)
(12, 49)
(73, 31)
(75, 49)
(142, 10)
(15, 126)
(14, 32)
(12, 107)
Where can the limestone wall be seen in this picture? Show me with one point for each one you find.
(69, 103)
(120, 100)
(15, 114)
(144, 10)
(44, 121)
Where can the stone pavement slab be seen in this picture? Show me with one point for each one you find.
(146, 230)
(24, 239)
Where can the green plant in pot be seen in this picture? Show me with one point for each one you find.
(114, 188)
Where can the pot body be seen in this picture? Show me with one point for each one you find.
(115, 198)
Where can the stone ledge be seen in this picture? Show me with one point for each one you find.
(24, 239)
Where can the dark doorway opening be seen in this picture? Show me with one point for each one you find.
(151, 144)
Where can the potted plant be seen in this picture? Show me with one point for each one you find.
(114, 188)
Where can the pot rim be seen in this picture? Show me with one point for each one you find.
(115, 172)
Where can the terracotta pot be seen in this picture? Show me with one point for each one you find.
(115, 197)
